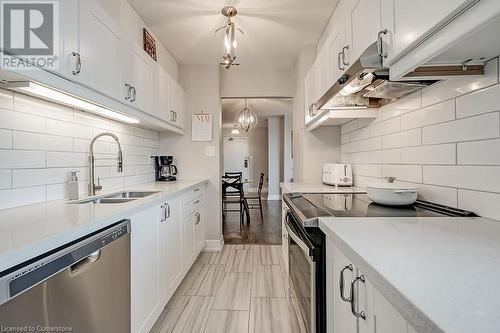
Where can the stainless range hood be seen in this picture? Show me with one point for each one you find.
(366, 83)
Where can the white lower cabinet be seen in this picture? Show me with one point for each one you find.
(284, 234)
(365, 310)
(145, 274)
(165, 241)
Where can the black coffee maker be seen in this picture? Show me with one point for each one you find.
(165, 170)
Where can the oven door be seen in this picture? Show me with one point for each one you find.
(302, 261)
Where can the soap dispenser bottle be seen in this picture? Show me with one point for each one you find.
(73, 186)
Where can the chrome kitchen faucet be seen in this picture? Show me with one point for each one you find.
(92, 186)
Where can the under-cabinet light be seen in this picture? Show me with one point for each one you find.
(51, 94)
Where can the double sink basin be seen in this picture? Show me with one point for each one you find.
(115, 198)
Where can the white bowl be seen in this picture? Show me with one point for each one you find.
(392, 194)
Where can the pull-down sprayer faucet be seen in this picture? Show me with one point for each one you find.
(92, 186)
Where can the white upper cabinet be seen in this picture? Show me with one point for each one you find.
(68, 38)
(161, 97)
(407, 21)
(100, 47)
(137, 85)
(309, 95)
(364, 26)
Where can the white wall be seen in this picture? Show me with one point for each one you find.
(274, 142)
(201, 83)
(287, 148)
(445, 139)
(311, 149)
(41, 142)
(256, 82)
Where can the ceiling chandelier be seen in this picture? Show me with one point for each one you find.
(246, 118)
(230, 43)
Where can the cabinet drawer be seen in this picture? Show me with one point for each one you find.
(193, 205)
(194, 193)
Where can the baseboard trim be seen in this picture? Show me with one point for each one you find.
(214, 245)
(274, 197)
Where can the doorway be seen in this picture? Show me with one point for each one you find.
(236, 156)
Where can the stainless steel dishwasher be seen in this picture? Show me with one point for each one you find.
(83, 286)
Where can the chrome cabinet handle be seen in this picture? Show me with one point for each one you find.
(341, 282)
(167, 211)
(163, 213)
(345, 48)
(134, 94)
(78, 67)
(380, 52)
(338, 61)
(197, 202)
(172, 118)
(129, 91)
(311, 109)
(356, 314)
(198, 218)
(196, 189)
(175, 116)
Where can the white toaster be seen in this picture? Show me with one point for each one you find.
(337, 174)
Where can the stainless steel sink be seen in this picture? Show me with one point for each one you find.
(133, 195)
(115, 198)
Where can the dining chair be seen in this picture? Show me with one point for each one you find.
(255, 200)
(232, 193)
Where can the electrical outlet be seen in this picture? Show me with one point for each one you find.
(210, 150)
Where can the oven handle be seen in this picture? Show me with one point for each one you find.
(304, 244)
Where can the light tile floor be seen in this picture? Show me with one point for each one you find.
(240, 289)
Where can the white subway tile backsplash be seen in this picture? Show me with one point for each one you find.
(479, 152)
(409, 173)
(350, 147)
(88, 119)
(474, 128)
(56, 191)
(68, 129)
(34, 177)
(5, 179)
(344, 139)
(39, 107)
(402, 106)
(481, 203)
(402, 139)
(447, 142)
(6, 99)
(360, 134)
(5, 139)
(35, 141)
(100, 146)
(441, 195)
(452, 88)
(386, 127)
(12, 159)
(58, 159)
(386, 156)
(22, 196)
(144, 169)
(138, 179)
(437, 154)
(370, 144)
(146, 134)
(433, 114)
(21, 121)
(482, 178)
(112, 183)
(482, 101)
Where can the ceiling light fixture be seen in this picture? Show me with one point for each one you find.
(235, 130)
(50, 94)
(246, 118)
(230, 42)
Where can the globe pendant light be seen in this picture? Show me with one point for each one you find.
(246, 118)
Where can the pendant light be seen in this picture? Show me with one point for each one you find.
(230, 43)
(235, 130)
(246, 118)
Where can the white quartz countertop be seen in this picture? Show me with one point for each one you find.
(440, 273)
(28, 231)
(319, 188)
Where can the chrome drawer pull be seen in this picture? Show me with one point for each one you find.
(379, 43)
(341, 282)
(356, 314)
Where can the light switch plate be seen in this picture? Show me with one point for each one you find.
(210, 150)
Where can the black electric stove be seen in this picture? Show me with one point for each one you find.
(306, 241)
(308, 207)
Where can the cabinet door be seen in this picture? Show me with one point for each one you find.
(365, 303)
(388, 318)
(162, 95)
(364, 25)
(322, 73)
(173, 98)
(188, 240)
(145, 292)
(337, 68)
(170, 235)
(198, 231)
(309, 95)
(100, 47)
(284, 233)
(68, 38)
(181, 116)
(343, 319)
(142, 82)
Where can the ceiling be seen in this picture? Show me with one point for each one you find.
(263, 107)
(275, 30)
